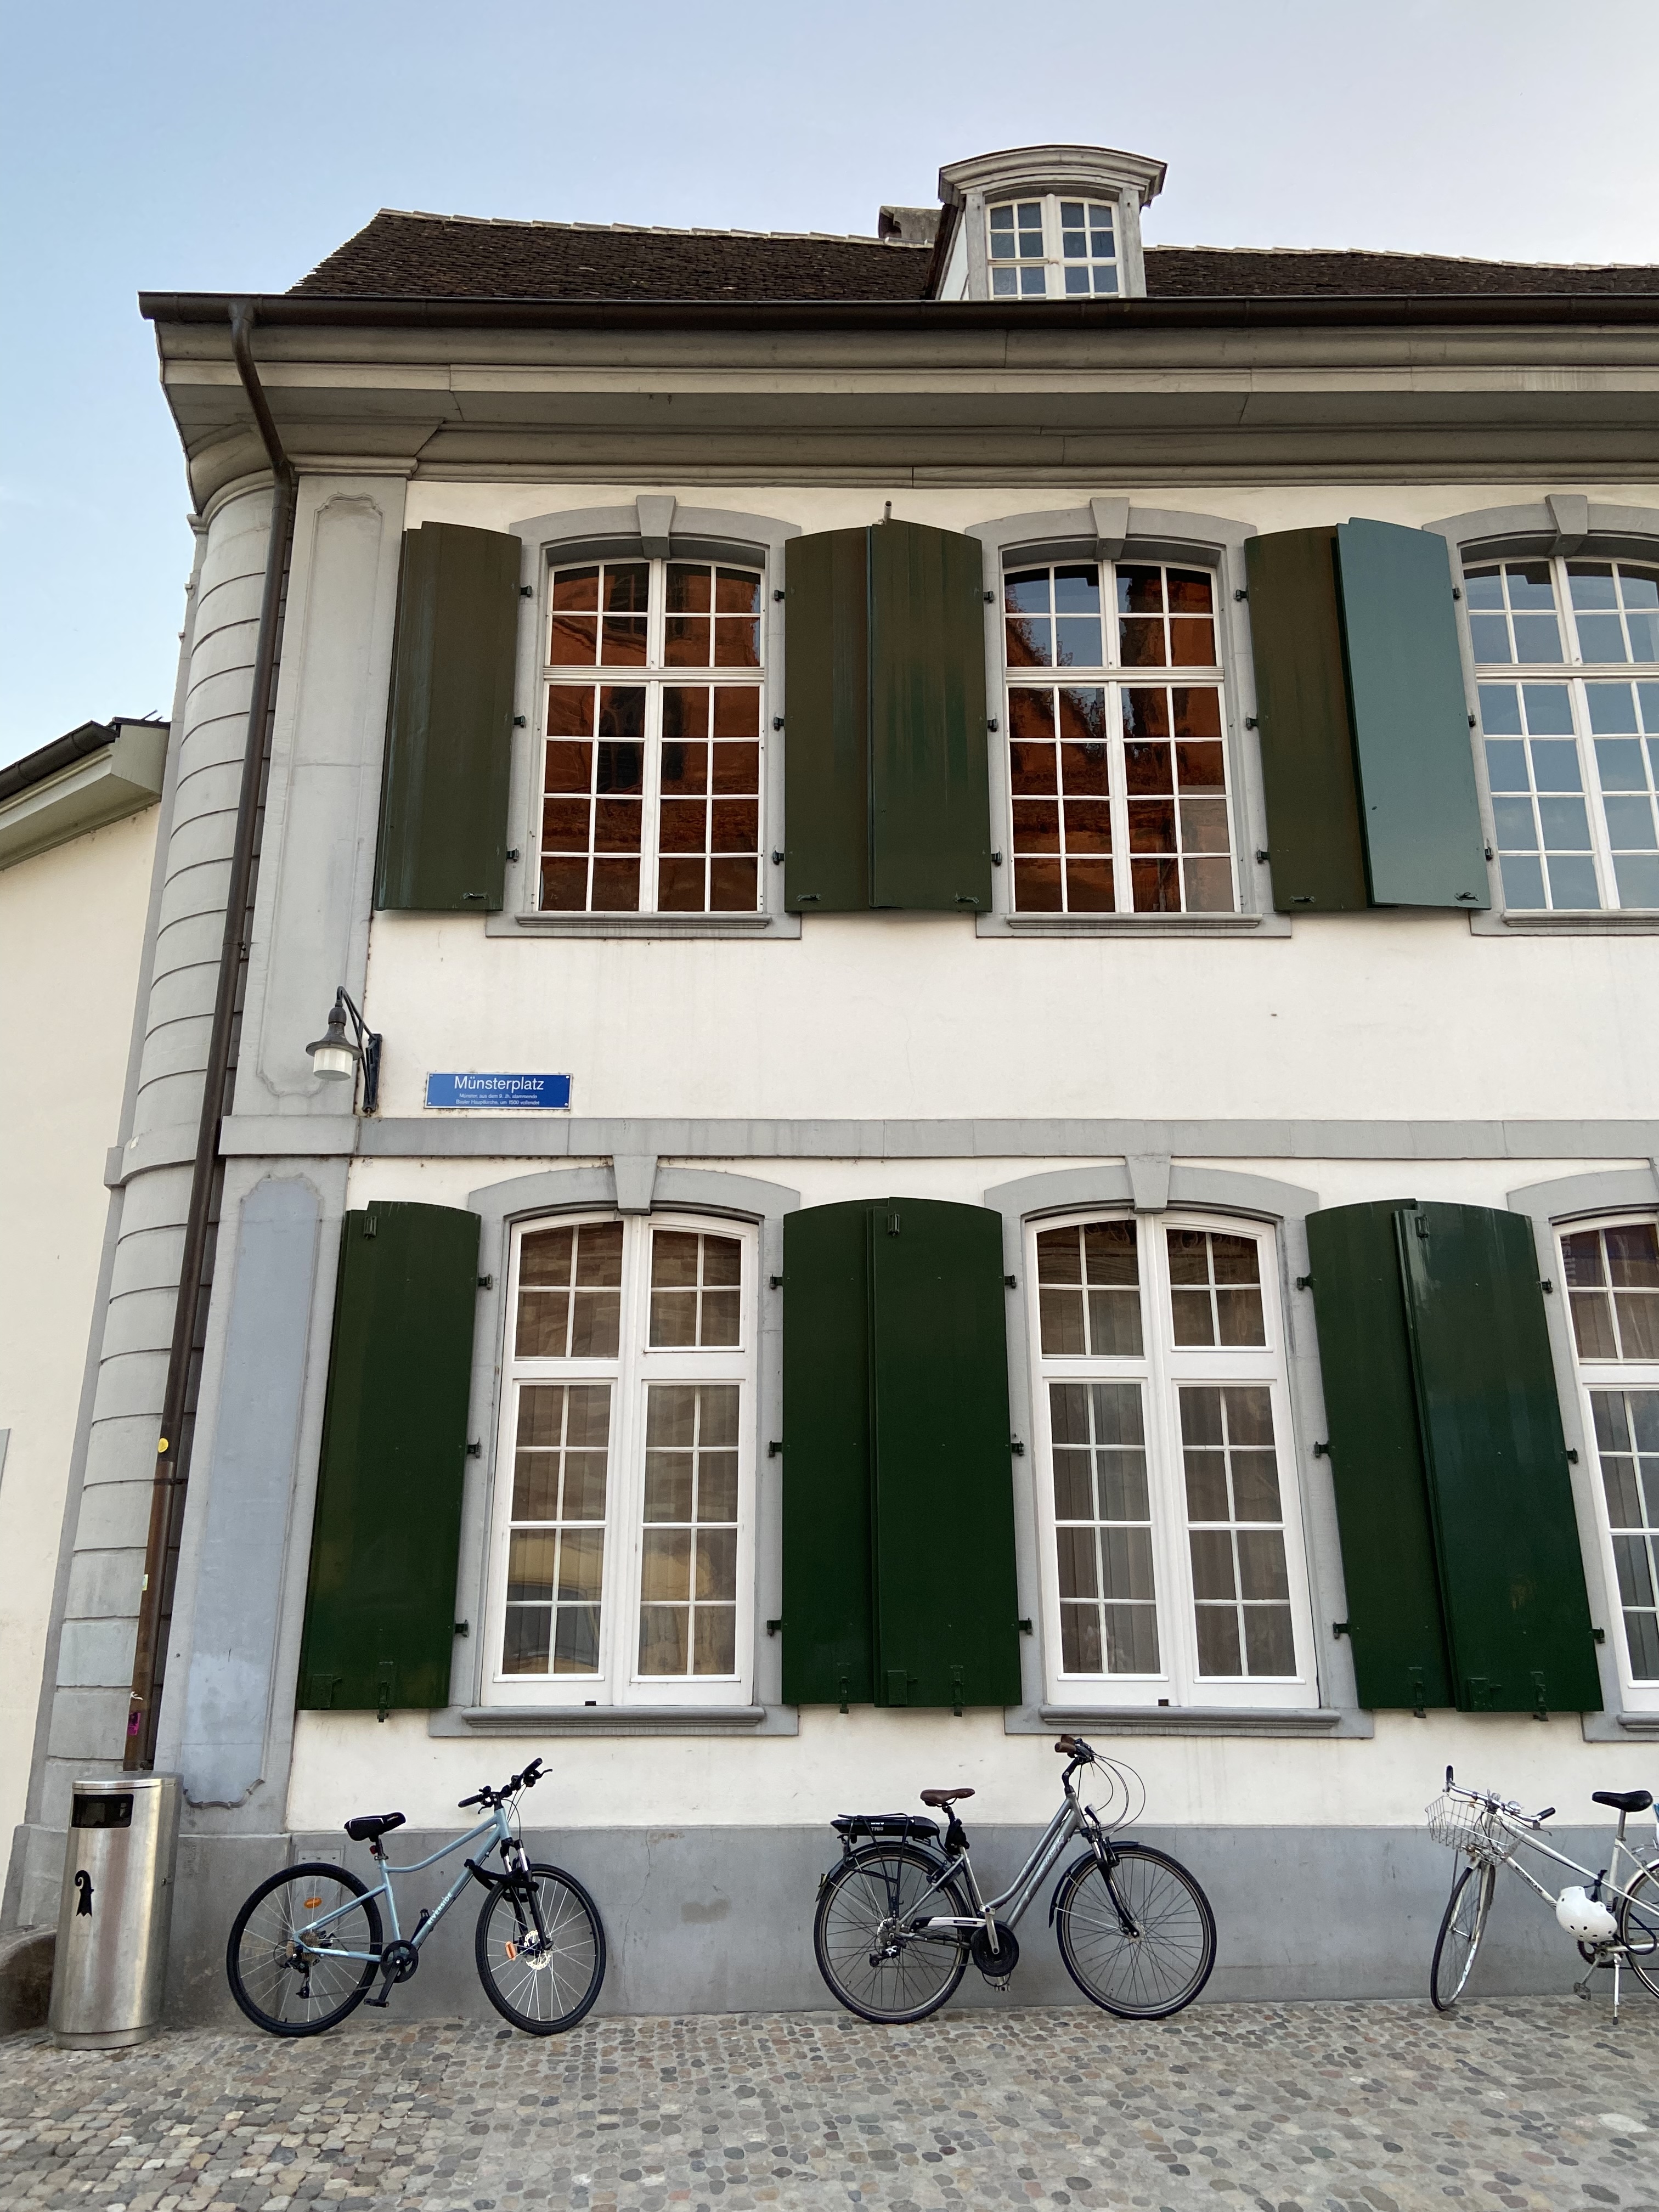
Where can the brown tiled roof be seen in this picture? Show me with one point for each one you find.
(402, 256)
(451, 256)
(1235, 272)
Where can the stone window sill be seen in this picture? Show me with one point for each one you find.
(613, 1720)
(1132, 925)
(1324, 1721)
(642, 925)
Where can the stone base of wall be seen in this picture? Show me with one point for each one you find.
(720, 1919)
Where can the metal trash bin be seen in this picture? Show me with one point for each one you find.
(110, 1971)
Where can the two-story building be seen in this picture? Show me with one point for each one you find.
(1067, 831)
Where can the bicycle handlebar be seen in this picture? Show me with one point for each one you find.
(526, 1780)
(1074, 1747)
(1505, 1805)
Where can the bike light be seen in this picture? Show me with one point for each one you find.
(1583, 1917)
(311, 1903)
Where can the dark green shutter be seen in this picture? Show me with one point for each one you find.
(1511, 1572)
(944, 1519)
(1424, 845)
(827, 1641)
(1459, 1543)
(930, 807)
(898, 1541)
(449, 723)
(380, 1608)
(1377, 1459)
(886, 788)
(826, 723)
(1317, 854)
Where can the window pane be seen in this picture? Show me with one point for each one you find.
(689, 1563)
(1241, 1577)
(694, 1288)
(554, 1568)
(1109, 1618)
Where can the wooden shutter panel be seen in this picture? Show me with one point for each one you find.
(827, 1620)
(449, 726)
(930, 808)
(1376, 1461)
(1317, 851)
(1422, 821)
(380, 1608)
(1511, 1572)
(943, 1493)
(827, 724)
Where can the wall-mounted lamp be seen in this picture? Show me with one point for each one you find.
(336, 1057)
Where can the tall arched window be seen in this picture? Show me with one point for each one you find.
(1174, 1571)
(622, 1568)
(1611, 1272)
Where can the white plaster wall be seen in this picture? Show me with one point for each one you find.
(71, 935)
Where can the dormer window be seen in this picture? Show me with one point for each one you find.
(1049, 246)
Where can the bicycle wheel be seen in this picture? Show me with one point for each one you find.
(1639, 1928)
(545, 1983)
(870, 1967)
(290, 1976)
(1143, 1947)
(1461, 1927)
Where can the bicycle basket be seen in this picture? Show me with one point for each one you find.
(1472, 1828)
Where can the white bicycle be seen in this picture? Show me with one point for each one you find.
(1614, 1922)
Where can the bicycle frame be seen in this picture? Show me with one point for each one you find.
(1071, 1818)
(498, 1825)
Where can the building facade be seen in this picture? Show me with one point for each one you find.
(1067, 832)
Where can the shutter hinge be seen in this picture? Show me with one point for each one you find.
(486, 1282)
(992, 723)
(1340, 1628)
(1487, 850)
(996, 859)
(1262, 854)
(774, 1282)
(1250, 723)
(1472, 721)
(475, 1451)
(777, 721)
(1023, 1624)
(520, 722)
(1241, 595)
(775, 1627)
(386, 1679)
(777, 595)
(1598, 1636)
(775, 1449)
(1305, 1282)
(1321, 1451)
(990, 598)
(526, 590)
(1457, 590)
(463, 1628)
(1017, 1447)
(512, 852)
(1011, 1282)
(1420, 1706)
(1541, 1711)
(843, 1693)
(777, 860)
(1545, 1284)
(1572, 1456)
(955, 1691)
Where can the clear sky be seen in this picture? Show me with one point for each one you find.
(176, 145)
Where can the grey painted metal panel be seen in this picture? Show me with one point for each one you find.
(250, 1483)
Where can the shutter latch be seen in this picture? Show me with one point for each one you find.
(955, 1691)
(1017, 1447)
(775, 1449)
(1323, 1450)
(1541, 1711)
(475, 1451)
(775, 1627)
(1339, 1628)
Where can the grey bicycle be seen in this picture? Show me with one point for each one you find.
(1615, 1922)
(308, 1945)
(901, 1914)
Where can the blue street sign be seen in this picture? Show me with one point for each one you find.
(497, 1091)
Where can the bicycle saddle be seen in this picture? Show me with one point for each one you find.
(368, 1827)
(944, 1796)
(1623, 1800)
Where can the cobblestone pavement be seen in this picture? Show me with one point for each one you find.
(1291, 2108)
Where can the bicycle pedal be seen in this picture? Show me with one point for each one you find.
(380, 2001)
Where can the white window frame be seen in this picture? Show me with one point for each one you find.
(1589, 1376)
(653, 678)
(1055, 263)
(1574, 673)
(618, 1684)
(1114, 677)
(1162, 1369)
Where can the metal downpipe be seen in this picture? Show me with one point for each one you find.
(172, 1452)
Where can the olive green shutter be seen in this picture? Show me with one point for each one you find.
(449, 723)
(898, 1541)
(886, 787)
(827, 724)
(1424, 845)
(380, 1608)
(827, 1620)
(1511, 1572)
(1317, 854)
(1377, 1459)
(930, 807)
(946, 1632)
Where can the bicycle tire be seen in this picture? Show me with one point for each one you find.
(1464, 1922)
(1642, 1943)
(268, 1968)
(541, 1990)
(1174, 1942)
(874, 1886)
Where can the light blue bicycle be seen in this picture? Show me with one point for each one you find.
(306, 1948)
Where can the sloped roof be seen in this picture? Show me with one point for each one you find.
(400, 255)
